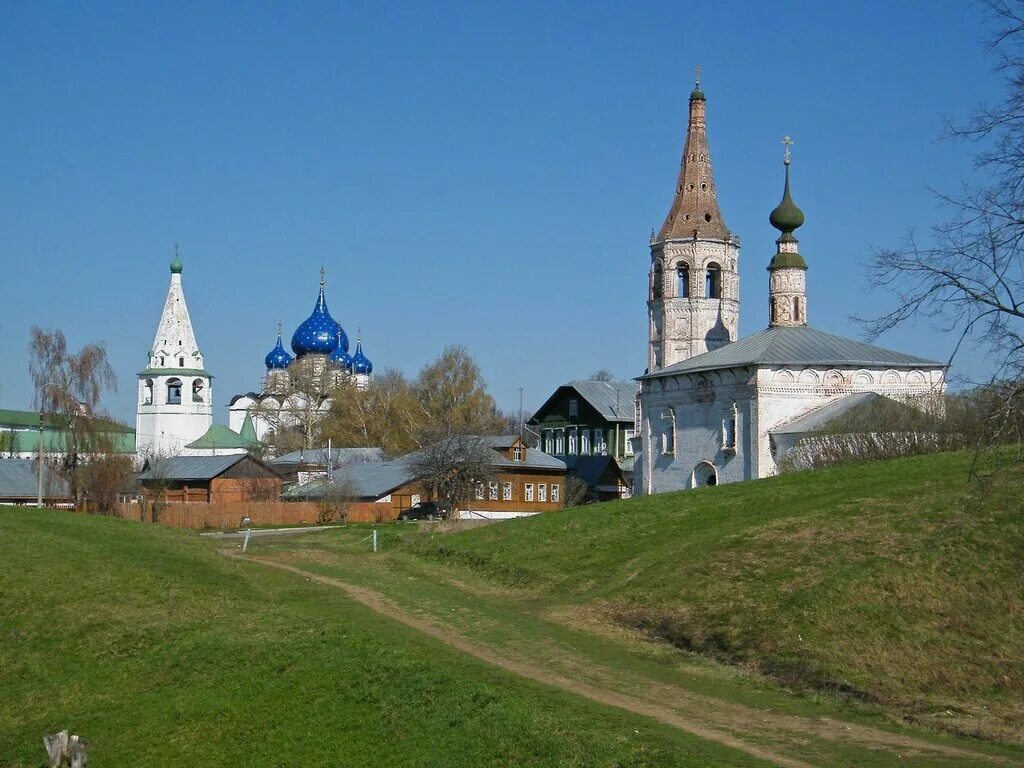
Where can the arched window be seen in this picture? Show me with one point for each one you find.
(704, 474)
(174, 391)
(657, 282)
(713, 282)
(683, 282)
(771, 310)
(796, 308)
(197, 391)
(147, 392)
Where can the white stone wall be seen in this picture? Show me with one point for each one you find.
(764, 397)
(163, 428)
(680, 328)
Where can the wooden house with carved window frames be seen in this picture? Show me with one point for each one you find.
(589, 425)
(525, 481)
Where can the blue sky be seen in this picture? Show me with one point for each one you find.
(477, 173)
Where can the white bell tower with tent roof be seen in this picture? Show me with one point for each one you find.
(175, 403)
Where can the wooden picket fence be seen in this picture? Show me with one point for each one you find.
(244, 514)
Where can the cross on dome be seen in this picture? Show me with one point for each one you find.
(789, 143)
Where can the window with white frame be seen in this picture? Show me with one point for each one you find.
(630, 434)
(492, 491)
(585, 441)
(729, 425)
(528, 492)
(506, 491)
(599, 443)
(560, 442)
(542, 491)
(572, 442)
(517, 453)
(549, 441)
(554, 492)
(480, 491)
(574, 407)
(668, 435)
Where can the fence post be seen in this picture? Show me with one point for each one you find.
(374, 539)
(245, 543)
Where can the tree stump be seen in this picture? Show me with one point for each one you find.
(64, 750)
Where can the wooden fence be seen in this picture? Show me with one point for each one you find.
(243, 514)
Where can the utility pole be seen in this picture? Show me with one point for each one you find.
(39, 494)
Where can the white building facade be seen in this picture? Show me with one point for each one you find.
(721, 416)
(175, 391)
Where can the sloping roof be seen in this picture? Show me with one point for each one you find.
(799, 345)
(591, 469)
(191, 467)
(612, 399)
(819, 417)
(19, 479)
(339, 456)
(30, 419)
(219, 436)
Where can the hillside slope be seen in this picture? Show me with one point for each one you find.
(893, 582)
(163, 653)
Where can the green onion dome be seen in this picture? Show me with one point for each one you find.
(786, 217)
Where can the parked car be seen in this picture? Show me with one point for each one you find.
(423, 510)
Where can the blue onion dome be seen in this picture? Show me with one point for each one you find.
(278, 357)
(340, 356)
(318, 333)
(360, 362)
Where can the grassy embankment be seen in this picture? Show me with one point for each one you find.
(164, 653)
(893, 583)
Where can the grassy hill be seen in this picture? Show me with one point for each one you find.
(893, 582)
(164, 653)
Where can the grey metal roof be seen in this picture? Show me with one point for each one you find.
(612, 399)
(819, 417)
(190, 467)
(19, 479)
(339, 456)
(800, 345)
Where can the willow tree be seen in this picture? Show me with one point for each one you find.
(68, 387)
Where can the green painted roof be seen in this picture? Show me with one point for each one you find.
(248, 431)
(780, 260)
(23, 426)
(795, 346)
(175, 372)
(220, 437)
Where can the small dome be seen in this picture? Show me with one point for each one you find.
(697, 94)
(340, 356)
(786, 217)
(318, 333)
(176, 266)
(360, 362)
(278, 357)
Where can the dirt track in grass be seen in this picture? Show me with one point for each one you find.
(720, 720)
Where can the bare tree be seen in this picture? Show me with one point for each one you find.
(68, 386)
(337, 499)
(452, 468)
(577, 492)
(454, 400)
(294, 413)
(968, 278)
(602, 375)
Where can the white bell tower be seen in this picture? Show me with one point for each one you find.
(175, 404)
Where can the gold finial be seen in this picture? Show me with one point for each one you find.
(789, 143)
(322, 273)
(697, 71)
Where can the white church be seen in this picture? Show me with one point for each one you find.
(174, 412)
(713, 409)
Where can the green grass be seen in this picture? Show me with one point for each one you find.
(893, 583)
(164, 653)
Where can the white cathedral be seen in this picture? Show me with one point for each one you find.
(174, 412)
(713, 409)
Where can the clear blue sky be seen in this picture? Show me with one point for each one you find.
(477, 173)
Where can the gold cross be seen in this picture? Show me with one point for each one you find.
(788, 142)
(696, 71)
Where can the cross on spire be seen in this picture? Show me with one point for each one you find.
(322, 273)
(175, 249)
(789, 143)
(697, 72)
(279, 328)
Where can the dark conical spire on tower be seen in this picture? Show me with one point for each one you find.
(694, 211)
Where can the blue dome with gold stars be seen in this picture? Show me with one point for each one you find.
(319, 332)
(340, 356)
(278, 357)
(360, 362)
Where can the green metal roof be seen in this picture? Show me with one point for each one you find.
(795, 346)
(219, 436)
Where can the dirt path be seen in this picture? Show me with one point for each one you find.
(736, 716)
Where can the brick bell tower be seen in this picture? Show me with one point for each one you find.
(693, 294)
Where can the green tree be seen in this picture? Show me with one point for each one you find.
(453, 397)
